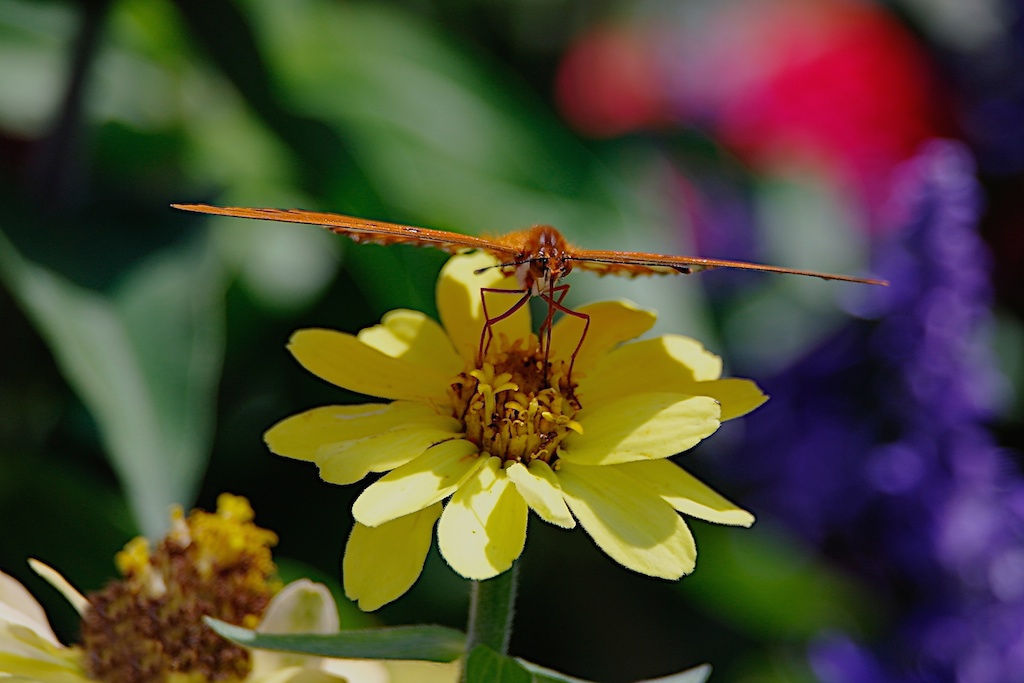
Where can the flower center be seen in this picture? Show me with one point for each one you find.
(511, 408)
(148, 626)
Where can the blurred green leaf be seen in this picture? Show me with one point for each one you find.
(425, 643)
(145, 362)
(698, 674)
(33, 39)
(484, 665)
(437, 136)
(805, 224)
(766, 584)
(432, 125)
(37, 491)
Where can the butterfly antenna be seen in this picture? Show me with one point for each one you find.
(510, 264)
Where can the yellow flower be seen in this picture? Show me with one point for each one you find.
(503, 436)
(148, 626)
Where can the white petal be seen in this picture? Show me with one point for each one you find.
(301, 607)
(19, 608)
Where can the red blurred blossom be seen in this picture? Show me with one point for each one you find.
(839, 86)
(608, 84)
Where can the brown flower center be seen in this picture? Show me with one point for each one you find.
(148, 626)
(511, 408)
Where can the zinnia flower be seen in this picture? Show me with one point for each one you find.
(504, 434)
(148, 626)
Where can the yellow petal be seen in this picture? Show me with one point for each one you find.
(736, 396)
(483, 527)
(343, 360)
(351, 461)
(428, 479)
(349, 442)
(414, 337)
(668, 363)
(382, 563)
(611, 323)
(641, 427)
(628, 520)
(686, 493)
(303, 436)
(459, 303)
(538, 486)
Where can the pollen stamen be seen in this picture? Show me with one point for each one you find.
(148, 627)
(511, 408)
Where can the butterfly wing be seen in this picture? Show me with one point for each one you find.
(362, 230)
(638, 263)
(506, 248)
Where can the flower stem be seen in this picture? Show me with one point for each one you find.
(491, 606)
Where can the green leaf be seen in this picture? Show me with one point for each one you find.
(484, 665)
(144, 361)
(444, 146)
(427, 643)
(698, 674)
(765, 584)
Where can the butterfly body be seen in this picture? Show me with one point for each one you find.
(542, 260)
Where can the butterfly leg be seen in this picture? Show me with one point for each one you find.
(554, 300)
(487, 334)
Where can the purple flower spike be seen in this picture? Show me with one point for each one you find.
(893, 469)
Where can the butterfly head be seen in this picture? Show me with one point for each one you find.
(544, 260)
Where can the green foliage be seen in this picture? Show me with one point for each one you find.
(484, 665)
(768, 586)
(425, 643)
(145, 361)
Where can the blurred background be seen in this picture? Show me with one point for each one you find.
(144, 349)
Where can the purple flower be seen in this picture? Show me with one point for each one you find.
(892, 468)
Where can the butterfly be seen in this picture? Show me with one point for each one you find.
(539, 257)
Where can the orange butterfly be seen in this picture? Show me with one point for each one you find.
(539, 257)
